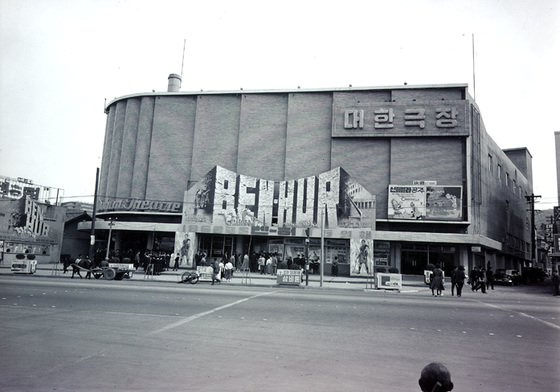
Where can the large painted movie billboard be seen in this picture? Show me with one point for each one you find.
(224, 198)
(27, 226)
(425, 202)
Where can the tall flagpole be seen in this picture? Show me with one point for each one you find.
(183, 61)
(473, 68)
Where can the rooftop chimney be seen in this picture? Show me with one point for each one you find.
(174, 83)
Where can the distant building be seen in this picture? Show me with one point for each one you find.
(401, 177)
(74, 208)
(557, 144)
(16, 188)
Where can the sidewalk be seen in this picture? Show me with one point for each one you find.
(410, 282)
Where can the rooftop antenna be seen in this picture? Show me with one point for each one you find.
(183, 61)
(473, 69)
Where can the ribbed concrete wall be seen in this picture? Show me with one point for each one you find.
(308, 145)
(115, 158)
(368, 161)
(169, 166)
(439, 159)
(217, 133)
(143, 145)
(128, 148)
(262, 136)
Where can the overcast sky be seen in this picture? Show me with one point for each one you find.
(60, 60)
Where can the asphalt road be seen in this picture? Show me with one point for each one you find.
(149, 336)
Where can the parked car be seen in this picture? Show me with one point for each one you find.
(534, 275)
(509, 277)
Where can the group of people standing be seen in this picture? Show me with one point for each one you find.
(479, 279)
(482, 279)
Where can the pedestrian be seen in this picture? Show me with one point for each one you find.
(216, 276)
(460, 280)
(86, 264)
(261, 264)
(334, 268)
(482, 280)
(489, 278)
(474, 279)
(454, 280)
(555, 283)
(437, 281)
(435, 377)
(176, 264)
(228, 268)
(76, 267)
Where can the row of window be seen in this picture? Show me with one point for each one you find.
(509, 182)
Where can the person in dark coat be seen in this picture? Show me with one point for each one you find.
(474, 278)
(490, 278)
(454, 280)
(437, 281)
(555, 283)
(460, 280)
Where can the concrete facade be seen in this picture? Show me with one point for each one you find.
(157, 144)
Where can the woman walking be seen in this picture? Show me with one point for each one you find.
(437, 281)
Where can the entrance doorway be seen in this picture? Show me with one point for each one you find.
(416, 257)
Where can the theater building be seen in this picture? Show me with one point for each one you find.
(387, 177)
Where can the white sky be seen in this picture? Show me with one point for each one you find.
(60, 59)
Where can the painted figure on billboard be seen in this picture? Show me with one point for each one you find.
(407, 202)
(426, 202)
(184, 248)
(361, 257)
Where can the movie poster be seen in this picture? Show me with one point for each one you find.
(185, 245)
(407, 202)
(444, 202)
(361, 257)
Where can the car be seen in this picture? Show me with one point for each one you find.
(534, 275)
(509, 277)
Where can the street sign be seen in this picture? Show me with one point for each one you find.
(288, 277)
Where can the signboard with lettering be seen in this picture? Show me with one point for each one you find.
(386, 119)
(288, 277)
(224, 198)
(425, 202)
(126, 204)
(388, 281)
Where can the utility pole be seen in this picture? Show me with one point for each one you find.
(307, 230)
(531, 200)
(110, 224)
(92, 233)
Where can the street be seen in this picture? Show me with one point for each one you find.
(85, 335)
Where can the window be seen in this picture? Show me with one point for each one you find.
(490, 164)
(499, 173)
(507, 180)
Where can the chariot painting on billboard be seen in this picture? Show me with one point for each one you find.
(444, 202)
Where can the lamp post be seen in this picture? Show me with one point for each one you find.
(110, 224)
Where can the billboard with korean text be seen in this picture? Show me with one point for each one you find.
(425, 202)
(390, 119)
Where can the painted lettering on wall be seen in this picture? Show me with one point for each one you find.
(140, 205)
(400, 119)
(226, 198)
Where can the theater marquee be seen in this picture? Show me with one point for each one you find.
(231, 203)
(386, 119)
